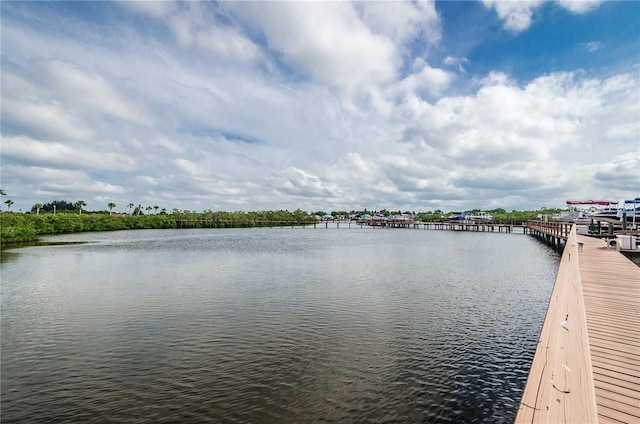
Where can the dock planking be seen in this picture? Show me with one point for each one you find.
(597, 356)
(611, 289)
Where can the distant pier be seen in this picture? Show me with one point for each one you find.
(360, 223)
(464, 225)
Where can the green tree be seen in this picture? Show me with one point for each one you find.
(156, 209)
(111, 205)
(9, 203)
(59, 205)
(79, 204)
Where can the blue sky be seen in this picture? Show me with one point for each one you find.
(320, 105)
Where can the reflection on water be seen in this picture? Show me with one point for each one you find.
(272, 325)
(8, 252)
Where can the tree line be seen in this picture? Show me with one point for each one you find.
(62, 216)
(25, 227)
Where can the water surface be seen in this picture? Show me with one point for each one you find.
(272, 325)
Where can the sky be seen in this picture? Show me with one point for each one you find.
(247, 106)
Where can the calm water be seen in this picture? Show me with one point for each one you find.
(272, 325)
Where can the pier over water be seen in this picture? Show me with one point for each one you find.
(586, 368)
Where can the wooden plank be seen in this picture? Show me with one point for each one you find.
(632, 409)
(625, 386)
(631, 366)
(601, 328)
(603, 316)
(613, 342)
(616, 416)
(600, 363)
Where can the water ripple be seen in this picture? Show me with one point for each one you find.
(269, 325)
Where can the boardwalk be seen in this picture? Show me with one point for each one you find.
(611, 289)
(587, 364)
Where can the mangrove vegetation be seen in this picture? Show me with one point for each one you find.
(70, 217)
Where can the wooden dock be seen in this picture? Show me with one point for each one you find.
(586, 368)
(359, 223)
(611, 290)
(446, 225)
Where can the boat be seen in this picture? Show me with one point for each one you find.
(468, 217)
(481, 217)
(584, 210)
(455, 217)
(629, 214)
(606, 212)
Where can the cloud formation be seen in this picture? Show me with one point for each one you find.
(517, 15)
(274, 105)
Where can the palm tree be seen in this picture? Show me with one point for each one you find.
(9, 203)
(139, 209)
(111, 205)
(156, 208)
(2, 192)
(79, 205)
(38, 206)
(130, 206)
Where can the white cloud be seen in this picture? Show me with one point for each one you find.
(425, 80)
(146, 179)
(622, 172)
(402, 21)
(510, 138)
(580, 6)
(327, 41)
(196, 24)
(296, 182)
(171, 146)
(624, 130)
(92, 91)
(593, 46)
(45, 119)
(60, 155)
(228, 43)
(55, 184)
(457, 61)
(517, 15)
(156, 9)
